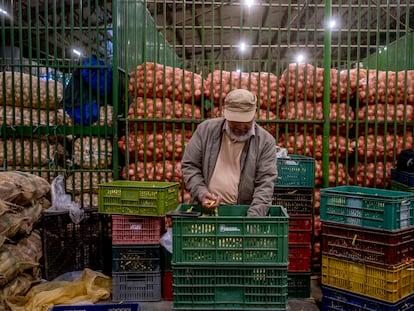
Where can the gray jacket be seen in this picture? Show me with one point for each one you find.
(258, 165)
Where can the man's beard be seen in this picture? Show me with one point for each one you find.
(237, 138)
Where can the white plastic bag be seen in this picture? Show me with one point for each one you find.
(166, 240)
(61, 201)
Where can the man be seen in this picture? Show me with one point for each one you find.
(232, 160)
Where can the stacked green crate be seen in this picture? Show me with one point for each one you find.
(138, 209)
(229, 261)
(367, 245)
(294, 189)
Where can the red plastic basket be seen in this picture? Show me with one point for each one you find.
(167, 285)
(136, 229)
(300, 228)
(299, 257)
(378, 247)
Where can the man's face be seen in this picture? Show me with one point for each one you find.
(240, 128)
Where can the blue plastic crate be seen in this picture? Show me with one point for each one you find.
(100, 307)
(405, 178)
(340, 300)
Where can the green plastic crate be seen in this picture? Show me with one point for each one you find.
(296, 171)
(368, 207)
(299, 284)
(242, 287)
(231, 237)
(143, 198)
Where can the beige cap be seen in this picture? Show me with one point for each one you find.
(240, 106)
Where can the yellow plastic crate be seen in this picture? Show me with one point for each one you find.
(389, 284)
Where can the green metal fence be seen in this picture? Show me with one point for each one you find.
(165, 66)
(57, 94)
(347, 103)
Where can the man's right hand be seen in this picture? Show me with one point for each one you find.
(210, 201)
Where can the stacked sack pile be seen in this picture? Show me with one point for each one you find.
(137, 210)
(23, 198)
(266, 86)
(168, 100)
(367, 248)
(87, 102)
(294, 190)
(167, 97)
(384, 97)
(29, 100)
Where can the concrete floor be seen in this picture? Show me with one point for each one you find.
(309, 304)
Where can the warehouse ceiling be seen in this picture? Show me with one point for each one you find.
(214, 30)
(279, 30)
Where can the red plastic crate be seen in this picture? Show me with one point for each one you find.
(136, 229)
(300, 228)
(368, 245)
(299, 257)
(167, 285)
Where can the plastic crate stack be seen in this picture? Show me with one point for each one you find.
(294, 189)
(229, 261)
(367, 249)
(138, 209)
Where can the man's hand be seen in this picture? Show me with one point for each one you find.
(210, 201)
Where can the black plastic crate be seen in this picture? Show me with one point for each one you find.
(136, 258)
(299, 284)
(136, 286)
(69, 247)
(295, 200)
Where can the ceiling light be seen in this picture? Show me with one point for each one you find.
(77, 52)
(242, 46)
(4, 12)
(300, 58)
(249, 2)
(331, 24)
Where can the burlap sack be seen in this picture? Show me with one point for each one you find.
(22, 188)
